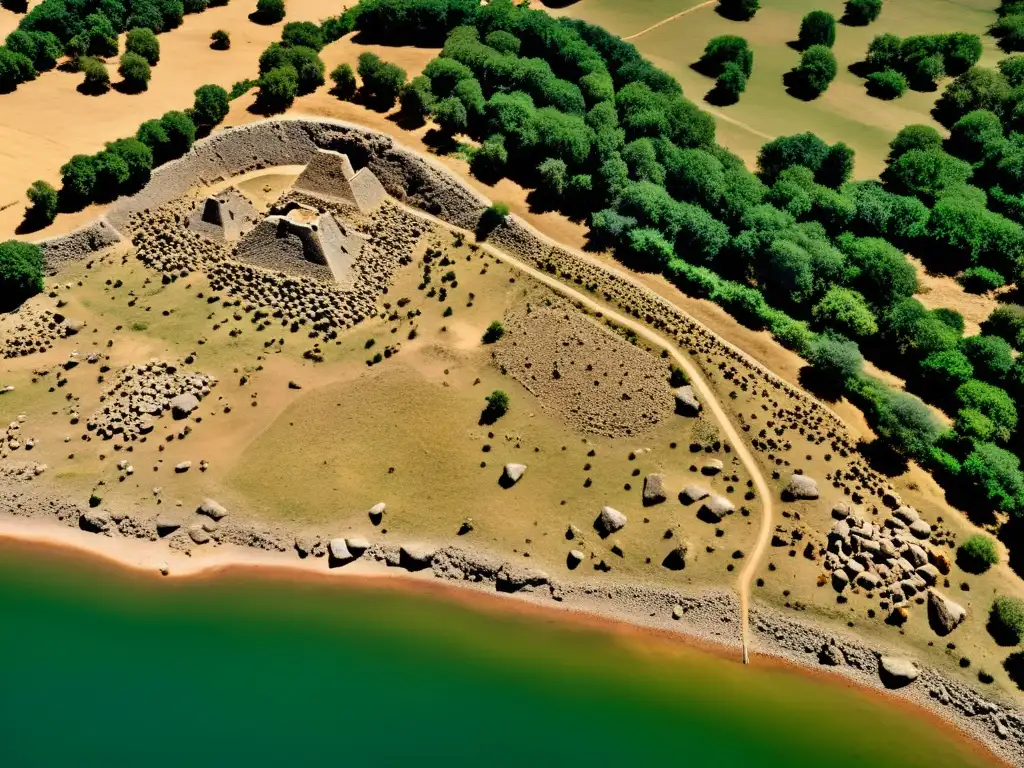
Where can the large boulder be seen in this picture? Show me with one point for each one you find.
(573, 559)
(166, 524)
(800, 487)
(896, 672)
(609, 521)
(415, 557)
(339, 551)
(512, 578)
(357, 545)
(687, 403)
(714, 508)
(183, 405)
(94, 521)
(675, 560)
(654, 489)
(511, 474)
(212, 509)
(376, 513)
(920, 529)
(692, 493)
(943, 614)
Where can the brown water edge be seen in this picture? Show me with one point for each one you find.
(639, 639)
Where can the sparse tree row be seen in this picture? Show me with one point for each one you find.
(87, 30)
(577, 115)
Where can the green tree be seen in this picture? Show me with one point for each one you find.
(43, 198)
(553, 176)
(1012, 68)
(887, 84)
(923, 137)
(42, 49)
(738, 10)
(945, 371)
(885, 274)
(504, 42)
(926, 173)
(308, 66)
(817, 28)
(977, 137)
(1007, 322)
(1010, 32)
(994, 473)
(138, 158)
(303, 33)
(211, 105)
(270, 11)
(97, 79)
(112, 173)
(495, 332)
(647, 250)
(135, 71)
(977, 88)
(993, 402)
(21, 273)
(777, 155)
(143, 42)
(860, 13)
(845, 311)
(991, 356)
(220, 40)
(344, 81)
(278, 88)
(180, 131)
(906, 424)
(451, 116)
(729, 85)
(723, 50)
(977, 554)
(416, 100)
(816, 70)
(490, 160)
(382, 81)
(836, 360)
(1006, 620)
(78, 179)
(884, 52)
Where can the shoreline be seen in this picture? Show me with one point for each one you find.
(143, 560)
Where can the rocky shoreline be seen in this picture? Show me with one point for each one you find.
(709, 617)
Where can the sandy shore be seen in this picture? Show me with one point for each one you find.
(158, 561)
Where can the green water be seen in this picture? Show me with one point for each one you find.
(101, 667)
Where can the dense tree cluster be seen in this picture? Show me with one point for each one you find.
(817, 28)
(1009, 29)
(815, 72)
(21, 273)
(290, 68)
(921, 61)
(730, 61)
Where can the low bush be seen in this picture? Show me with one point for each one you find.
(981, 280)
(269, 11)
(278, 89)
(144, 43)
(21, 273)
(887, 84)
(497, 406)
(220, 40)
(977, 554)
(344, 80)
(495, 331)
(739, 10)
(817, 28)
(44, 200)
(97, 79)
(1006, 620)
(860, 13)
(135, 71)
(815, 72)
(211, 105)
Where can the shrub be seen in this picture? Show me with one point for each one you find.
(220, 40)
(489, 161)
(43, 198)
(738, 10)
(344, 80)
(991, 356)
(1006, 620)
(450, 115)
(730, 84)
(836, 360)
(497, 406)
(269, 11)
(726, 49)
(180, 130)
(553, 176)
(977, 554)
(242, 87)
(860, 13)
(143, 42)
(1012, 68)
(991, 401)
(21, 273)
(138, 158)
(1010, 32)
(304, 33)
(112, 172)
(677, 377)
(416, 99)
(816, 70)
(981, 280)
(977, 88)
(887, 84)
(846, 311)
(946, 371)
(1007, 322)
(817, 28)
(278, 89)
(42, 49)
(211, 105)
(308, 66)
(503, 42)
(495, 331)
(97, 79)
(382, 81)
(135, 71)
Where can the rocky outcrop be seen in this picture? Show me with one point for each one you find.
(687, 403)
(693, 493)
(944, 615)
(212, 509)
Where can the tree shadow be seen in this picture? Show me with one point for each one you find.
(797, 45)
(407, 121)
(721, 97)
(705, 68)
(15, 6)
(542, 201)
(123, 86)
(92, 89)
(258, 18)
(726, 11)
(440, 142)
(882, 458)
(797, 86)
(860, 68)
(557, 3)
(1014, 666)
(1012, 535)
(32, 222)
(811, 379)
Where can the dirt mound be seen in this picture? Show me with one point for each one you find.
(589, 376)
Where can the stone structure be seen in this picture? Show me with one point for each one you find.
(330, 175)
(225, 216)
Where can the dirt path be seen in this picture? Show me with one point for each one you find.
(707, 395)
(669, 19)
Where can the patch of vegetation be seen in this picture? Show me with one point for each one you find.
(738, 10)
(21, 273)
(497, 406)
(494, 333)
(44, 204)
(344, 80)
(211, 106)
(269, 11)
(220, 40)
(977, 554)
(143, 43)
(135, 71)
(1006, 620)
(860, 13)
(382, 82)
(817, 28)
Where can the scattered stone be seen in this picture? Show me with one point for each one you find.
(675, 560)
(212, 509)
(687, 403)
(339, 550)
(609, 521)
(574, 558)
(712, 467)
(944, 615)
(415, 557)
(693, 493)
(511, 473)
(896, 672)
(377, 513)
(94, 521)
(357, 545)
(830, 655)
(198, 534)
(714, 508)
(800, 487)
(921, 529)
(654, 489)
(166, 525)
(183, 405)
(182, 466)
(677, 611)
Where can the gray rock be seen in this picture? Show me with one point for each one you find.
(687, 403)
(842, 510)
(511, 474)
(654, 489)
(71, 327)
(304, 545)
(801, 487)
(921, 529)
(896, 672)
(830, 655)
(907, 514)
(714, 508)
(574, 558)
(677, 612)
(339, 550)
(415, 557)
(198, 534)
(212, 509)
(944, 615)
(692, 493)
(869, 580)
(609, 521)
(929, 573)
(840, 530)
(512, 578)
(183, 405)
(915, 555)
(675, 560)
(712, 467)
(166, 525)
(182, 466)
(94, 521)
(357, 545)
(839, 580)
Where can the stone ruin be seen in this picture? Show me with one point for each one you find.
(300, 240)
(330, 175)
(226, 216)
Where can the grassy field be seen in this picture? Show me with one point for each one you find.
(843, 113)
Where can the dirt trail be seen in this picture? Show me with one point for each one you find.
(669, 19)
(746, 575)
